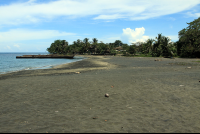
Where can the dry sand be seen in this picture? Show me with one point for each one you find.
(144, 96)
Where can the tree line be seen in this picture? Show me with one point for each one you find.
(82, 47)
(188, 45)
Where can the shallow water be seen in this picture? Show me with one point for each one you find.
(9, 63)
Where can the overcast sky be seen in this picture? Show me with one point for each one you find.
(32, 25)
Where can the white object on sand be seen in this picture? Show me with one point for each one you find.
(77, 72)
(106, 95)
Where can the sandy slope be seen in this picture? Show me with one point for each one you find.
(145, 96)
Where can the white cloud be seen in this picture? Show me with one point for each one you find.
(16, 45)
(33, 11)
(109, 38)
(171, 18)
(26, 34)
(7, 47)
(132, 36)
(195, 15)
(109, 17)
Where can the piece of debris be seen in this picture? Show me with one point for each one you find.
(77, 72)
(106, 95)
(189, 67)
(157, 60)
(181, 85)
(112, 86)
(94, 117)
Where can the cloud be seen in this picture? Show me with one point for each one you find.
(109, 38)
(33, 11)
(131, 36)
(109, 17)
(7, 47)
(16, 45)
(27, 34)
(195, 15)
(171, 18)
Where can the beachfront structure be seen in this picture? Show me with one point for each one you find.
(119, 49)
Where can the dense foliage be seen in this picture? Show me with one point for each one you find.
(82, 47)
(187, 46)
(189, 40)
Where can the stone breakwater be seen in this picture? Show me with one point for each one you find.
(46, 56)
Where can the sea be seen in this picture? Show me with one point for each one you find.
(9, 63)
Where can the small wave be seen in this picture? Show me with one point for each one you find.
(43, 67)
(35, 64)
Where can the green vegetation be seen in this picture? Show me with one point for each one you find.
(188, 45)
(189, 40)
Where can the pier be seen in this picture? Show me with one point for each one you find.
(47, 56)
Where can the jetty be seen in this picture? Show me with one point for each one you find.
(47, 56)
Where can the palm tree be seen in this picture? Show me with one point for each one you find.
(156, 47)
(86, 41)
(150, 44)
(78, 42)
(165, 47)
(159, 41)
(74, 43)
(95, 41)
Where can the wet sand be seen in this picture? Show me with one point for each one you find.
(144, 96)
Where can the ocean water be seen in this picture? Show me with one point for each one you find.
(9, 63)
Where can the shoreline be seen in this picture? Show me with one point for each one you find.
(96, 63)
(83, 65)
(38, 68)
(82, 56)
(144, 96)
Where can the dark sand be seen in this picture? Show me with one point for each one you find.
(145, 96)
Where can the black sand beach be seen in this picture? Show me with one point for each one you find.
(144, 96)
